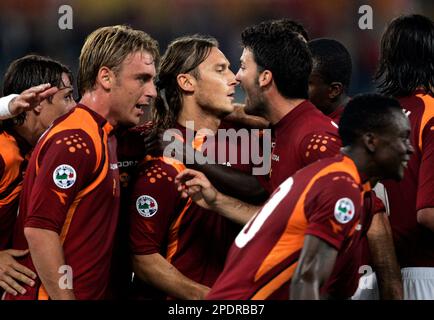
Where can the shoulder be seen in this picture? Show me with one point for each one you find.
(157, 175)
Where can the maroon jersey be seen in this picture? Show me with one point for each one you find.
(303, 136)
(323, 200)
(14, 152)
(413, 242)
(130, 151)
(71, 187)
(192, 239)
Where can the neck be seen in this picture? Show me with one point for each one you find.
(279, 106)
(99, 103)
(30, 130)
(202, 119)
(363, 164)
(334, 105)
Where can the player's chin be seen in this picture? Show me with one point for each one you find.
(131, 121)
(398, 174)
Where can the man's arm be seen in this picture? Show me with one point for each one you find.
(231, 181)
(195, 184)
(158, 272)
(383, 258)
(13, 105)
(240, 117)
(11, 272)
(315, 266)
(227, 180)
(47, 255)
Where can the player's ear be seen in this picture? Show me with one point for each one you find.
(265, 78)
(186, 82)
(335, 90)
(105, 78)
(370, 141)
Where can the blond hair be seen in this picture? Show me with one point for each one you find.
(109, 46)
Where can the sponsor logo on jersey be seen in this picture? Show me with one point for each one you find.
(146, 206)
(275, 157)
(64, 176)
(344, 210)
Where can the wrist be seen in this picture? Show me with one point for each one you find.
(5, 110)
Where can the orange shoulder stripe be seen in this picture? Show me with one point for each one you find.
(86, 191)
(427, 115)
(275, 283)
(172, 246)
(78, 119)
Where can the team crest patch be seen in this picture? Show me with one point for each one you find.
(64, 176)
(146, 206)
(344, 210)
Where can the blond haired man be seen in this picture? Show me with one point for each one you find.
(70, 200)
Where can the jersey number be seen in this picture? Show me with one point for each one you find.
(259, 218)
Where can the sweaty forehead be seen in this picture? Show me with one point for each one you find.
(216, 56)
(247, 56)
(139, 57)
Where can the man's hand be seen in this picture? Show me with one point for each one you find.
(194, 184)
(240, 117)
(11, 272)
(31, 98)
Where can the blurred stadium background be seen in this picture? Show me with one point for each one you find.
(32, 25)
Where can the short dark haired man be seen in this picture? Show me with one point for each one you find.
(330, 77)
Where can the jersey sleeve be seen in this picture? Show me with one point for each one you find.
(334, 212)
(425, 188)
(67, 164)
(319, 145)
(152, 207)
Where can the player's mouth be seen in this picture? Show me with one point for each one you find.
(231, 95)
(404, 162)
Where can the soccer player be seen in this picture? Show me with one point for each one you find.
(278, 92)
(70, 198)
(18, 135)
(406, 72)
(300, 245)
(330, 76)
(178, 248)
(328, 87)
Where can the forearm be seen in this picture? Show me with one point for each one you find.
(304, 289)
(236, 210)
(234, 182)
(47, 256)
(158, 272)
(383, 258)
